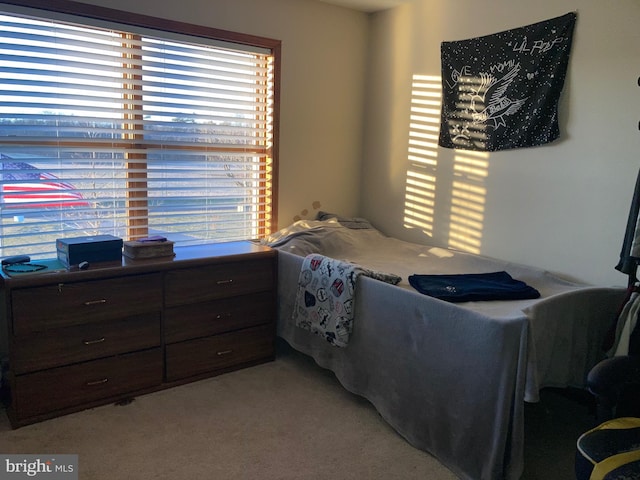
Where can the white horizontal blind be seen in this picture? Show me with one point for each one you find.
(108, 132)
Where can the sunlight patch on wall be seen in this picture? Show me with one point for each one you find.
(459, 185)
(468, 195)
(424, 129)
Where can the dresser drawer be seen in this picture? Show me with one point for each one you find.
(63, 346)
(204, 355)
(228, 279)
(51, 390)
(65, 304)
(218, 316)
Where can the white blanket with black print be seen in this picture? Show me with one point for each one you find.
(325, 296)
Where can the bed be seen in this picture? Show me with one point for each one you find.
(451, 378)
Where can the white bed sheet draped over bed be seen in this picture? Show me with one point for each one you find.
(450, 378)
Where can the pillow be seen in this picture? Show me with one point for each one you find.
(349, 222)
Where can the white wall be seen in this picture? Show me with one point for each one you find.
(562, 206)
(323, 70)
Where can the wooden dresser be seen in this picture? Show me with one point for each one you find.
(77, 339)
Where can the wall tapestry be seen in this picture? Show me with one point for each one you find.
(501, 91)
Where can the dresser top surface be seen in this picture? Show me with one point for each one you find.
(185, 257)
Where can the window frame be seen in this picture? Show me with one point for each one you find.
(120, 18)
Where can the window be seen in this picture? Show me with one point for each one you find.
(133, 131)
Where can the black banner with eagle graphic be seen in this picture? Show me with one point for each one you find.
(501, 91)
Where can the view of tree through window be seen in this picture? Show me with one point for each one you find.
(115, 132)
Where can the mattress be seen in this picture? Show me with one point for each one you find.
(451, 378)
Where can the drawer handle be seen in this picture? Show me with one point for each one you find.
(225, 282)
(97, 382)
(223, 315)
(93, 342)
(224, 352)
(95, 302)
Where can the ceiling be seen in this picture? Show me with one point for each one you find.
(367, 5)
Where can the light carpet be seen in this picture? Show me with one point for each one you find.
(287, 419)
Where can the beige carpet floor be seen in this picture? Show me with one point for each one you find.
(287, 419)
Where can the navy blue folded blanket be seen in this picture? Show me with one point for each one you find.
(472, 287)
